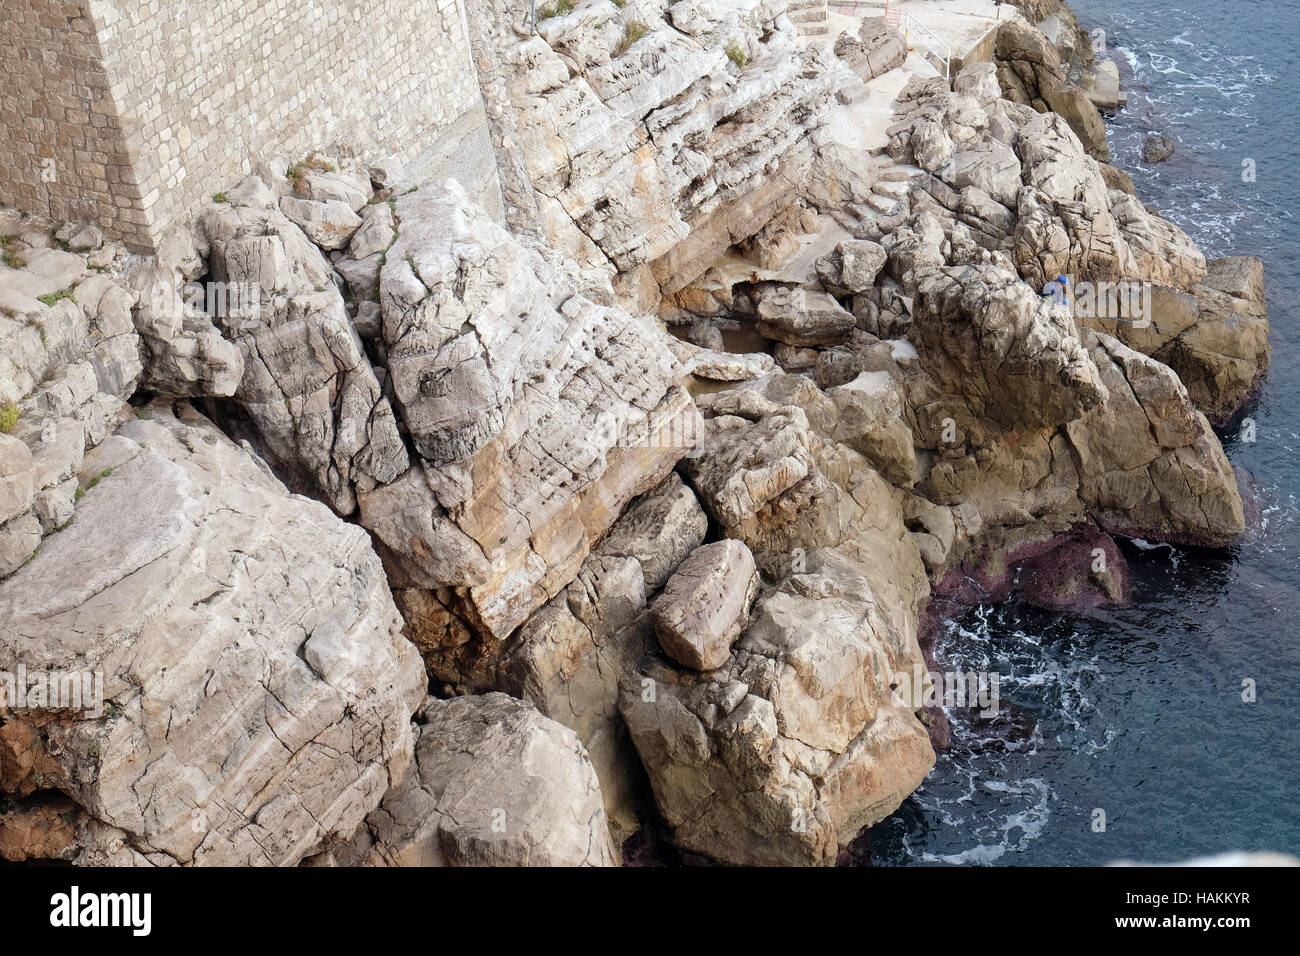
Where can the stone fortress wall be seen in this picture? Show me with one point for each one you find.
(130, 113)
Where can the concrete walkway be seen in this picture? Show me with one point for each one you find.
(966, 27)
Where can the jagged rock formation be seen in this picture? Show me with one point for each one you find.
(1030, 71)
(307, 384)
(537, 415)
(697, 568)
(788, 750)
(708, 113)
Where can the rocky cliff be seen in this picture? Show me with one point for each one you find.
(398, 537)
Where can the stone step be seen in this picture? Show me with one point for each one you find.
(898, 173)
(850, 93)
(812, 30)
(883, 204)
(808, 16)
(896, 189)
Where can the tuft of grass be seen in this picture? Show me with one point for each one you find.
(619, 3)
(220, 197)
(634, 31)
(9, 417)
(557, 9)
(50, 298)
(90, 485)
(297, 173)
(8, 239)
(736, 54)
(13, 260)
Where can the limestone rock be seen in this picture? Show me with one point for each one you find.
(494, 783)
(661, 152)
(801, 317)
(569, 658)
(1015, 358)
(851, 267)
(38, 831)
(1157, 148)
(320, 180)
(659, 529)
(782, 755)
(377, 231)
(16, 473)
(729, 366)
(307, 385)
(705, 605)
(1030, 71)
(330, 223)
(871, 421)
(1149, 464)
(257, 691)
(537, 414)
(186, 353)
(875, 51)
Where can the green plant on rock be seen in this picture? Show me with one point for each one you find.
(90, 485)
(9, 417)
(13, 260)
(557, 9)
(736, 54)
(220, 197)
(634, 31)
(50, 298)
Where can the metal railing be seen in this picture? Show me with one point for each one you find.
(934, 45)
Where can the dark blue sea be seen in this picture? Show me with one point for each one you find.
(1138, 712)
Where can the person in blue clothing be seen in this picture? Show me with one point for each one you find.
(1058, 289)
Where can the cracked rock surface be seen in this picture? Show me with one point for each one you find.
(258, 687)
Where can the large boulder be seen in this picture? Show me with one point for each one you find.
(256, 689)
(877, 49)
(1149, 464)
(797, 316)
(494, 783)
(705, 605)
(796, 743)
(1222, 355)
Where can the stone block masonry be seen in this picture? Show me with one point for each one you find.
(131, 113)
